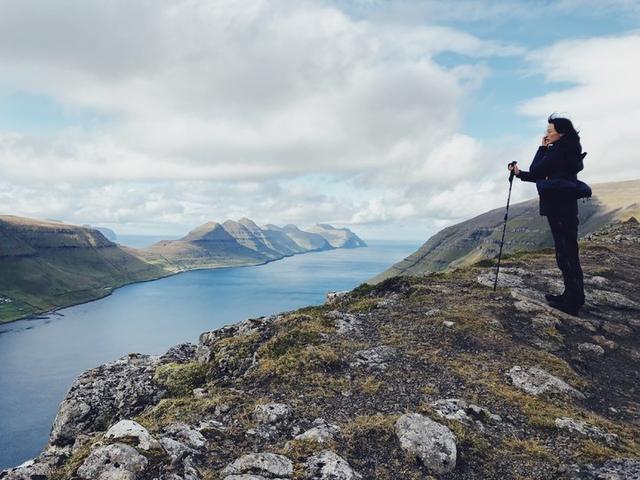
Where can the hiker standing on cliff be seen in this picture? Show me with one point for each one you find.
(559, 157)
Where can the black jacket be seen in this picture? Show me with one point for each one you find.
(562, 159)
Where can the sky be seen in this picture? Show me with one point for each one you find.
(394, 118)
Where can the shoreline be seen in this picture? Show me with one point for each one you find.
(39, 314)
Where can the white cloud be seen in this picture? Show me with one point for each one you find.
(250, 93)
(602, 99)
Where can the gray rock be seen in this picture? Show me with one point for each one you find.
(584, 429)
(345, 322)
(186, 434)
(175, 450)
(536, 381)
(432, 442)
(617, 329)
(323, 431)
(617, 469)
(335, 297)
(596, 281)
(374, 358)
(265, 464)
(611, 299)
(116, 461)
(272, 413)
(182, 353)
(591, 349)
(605, 342)
(327, 465)
(509, 278)
(460, 410)
(131, 429)
(112, 391)
(449, 323)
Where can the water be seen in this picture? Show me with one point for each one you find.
(40, 358)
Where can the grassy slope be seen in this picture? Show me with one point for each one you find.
(479, 237)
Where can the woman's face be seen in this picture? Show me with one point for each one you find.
(552, 135)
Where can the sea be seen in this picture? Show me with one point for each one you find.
(41, 357)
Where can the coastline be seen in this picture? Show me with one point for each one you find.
(36, 315)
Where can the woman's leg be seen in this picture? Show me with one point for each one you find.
(565, 235)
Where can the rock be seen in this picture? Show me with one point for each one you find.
(617, 469)
(345, 322)
(272, 413)
(605, 342)
(432, 312)
(449, 324)
(596, 281)
(634, 322)
(583, 428)
(185, 434)
(611, 299)
(509, 278)
(617, 329)
(131, 429)
(112, 391)
(323, 431)
(200, 392)
(116, 461)
(175, 449)
(327, 465)
(183, 353)
(335, 297)
(374, 358)
(536, 381)
(432, 442)
(460, 410)
(266, 464)
(591, 349)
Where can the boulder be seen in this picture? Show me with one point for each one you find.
(113, 391)
(327, 465)
(116, 461)
(131, 429)
(265, 464)
(432, 442)
(536, 381)
(374, 358)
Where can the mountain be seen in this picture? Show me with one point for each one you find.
(479, 238)
(273, 237)
(417, 377)
(307, 240)
(46, 265)
(107, 232)
(210, 245)
(337, 237)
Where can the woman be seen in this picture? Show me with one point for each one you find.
(560, 157)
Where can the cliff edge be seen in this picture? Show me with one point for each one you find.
(426, 376)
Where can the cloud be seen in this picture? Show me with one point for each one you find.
(599, 91)
(215, 109)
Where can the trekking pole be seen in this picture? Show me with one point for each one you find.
(504, 228)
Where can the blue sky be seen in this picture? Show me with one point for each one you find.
(372, 114)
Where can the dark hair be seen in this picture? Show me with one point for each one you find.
(565, 127)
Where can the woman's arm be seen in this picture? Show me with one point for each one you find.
(532, 175)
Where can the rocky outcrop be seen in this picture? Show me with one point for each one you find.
(433, 376)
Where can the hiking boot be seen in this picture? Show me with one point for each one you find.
(566, 307)
(554, 298)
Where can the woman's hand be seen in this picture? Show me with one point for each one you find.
(516, 170)
(545, 141)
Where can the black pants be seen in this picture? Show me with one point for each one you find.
(565, 236)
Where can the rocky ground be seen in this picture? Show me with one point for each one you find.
(433, 376)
